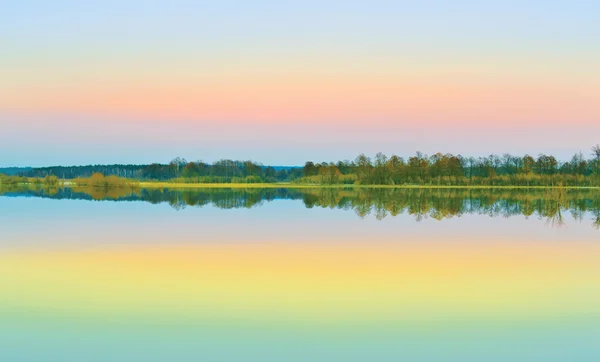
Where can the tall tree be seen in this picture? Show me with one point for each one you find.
(596, 154)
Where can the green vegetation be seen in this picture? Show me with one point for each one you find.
(47, 181)
(450, 170)
(420, 170)
(98, 180)
(50, 184)
(437, 203)
(7, 181)
(180, 171)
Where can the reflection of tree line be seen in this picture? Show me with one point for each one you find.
(178, 199)
(446, 203)
(221, 198)
(421, 203)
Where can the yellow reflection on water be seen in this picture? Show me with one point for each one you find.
(381, 283)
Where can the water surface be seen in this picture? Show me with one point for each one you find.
(299, 275)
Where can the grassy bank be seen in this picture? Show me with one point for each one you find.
(99, 181)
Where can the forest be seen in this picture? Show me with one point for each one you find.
(178, 170)
(456, 170)
(436, 170)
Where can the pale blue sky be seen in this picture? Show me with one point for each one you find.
(49, 45)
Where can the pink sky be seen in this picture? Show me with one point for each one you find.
(282, 85)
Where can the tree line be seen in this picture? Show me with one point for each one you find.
(179, 170)
(420, 169)
(456, 170)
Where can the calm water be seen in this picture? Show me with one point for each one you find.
(299, 275)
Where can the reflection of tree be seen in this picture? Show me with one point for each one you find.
(595, 210)
(105, 193)
(556, 220)
(362, 210)
(438, 204)
(596, 222)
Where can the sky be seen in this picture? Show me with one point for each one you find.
(283, 82)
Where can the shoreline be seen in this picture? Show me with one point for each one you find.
(288, 185)
(176, 185)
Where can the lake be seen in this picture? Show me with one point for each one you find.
(299, 275)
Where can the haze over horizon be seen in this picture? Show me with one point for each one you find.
(166, 160)
(283, 83)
